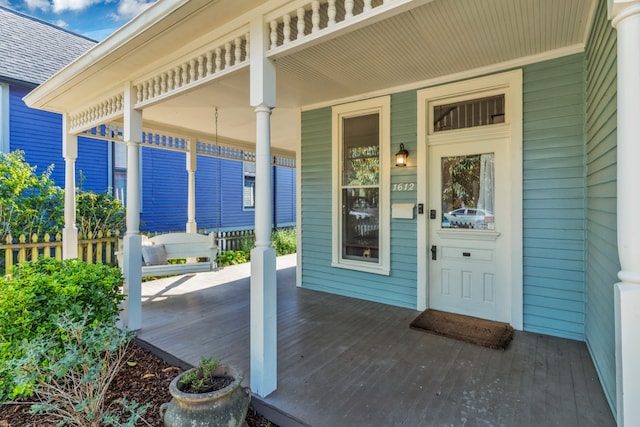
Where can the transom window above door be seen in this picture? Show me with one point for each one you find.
(469, 113)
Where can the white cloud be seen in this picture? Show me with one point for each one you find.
(5, 3)
(60, 23)
(62, 5)
(127, 9)
(38, 4)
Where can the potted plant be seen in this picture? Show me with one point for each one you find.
(209, 395)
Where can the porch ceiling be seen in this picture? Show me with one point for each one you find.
(435, 41)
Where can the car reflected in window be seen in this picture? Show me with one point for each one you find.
(468, 218)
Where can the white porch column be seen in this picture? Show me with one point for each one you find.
(132, 313)
(70, 154)
(264, 337)
(192, 227)
(625, 17)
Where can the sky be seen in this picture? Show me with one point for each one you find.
(95, 19)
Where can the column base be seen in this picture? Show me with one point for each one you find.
(69, 243)
(264, 335)
(131, 314)
(627, 310)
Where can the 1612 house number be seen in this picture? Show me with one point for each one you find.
(403, 186)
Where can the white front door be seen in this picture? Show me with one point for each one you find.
(469, 169)
(469, 221)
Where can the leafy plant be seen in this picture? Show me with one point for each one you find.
(38, 292)
(246, 244)
(232, 258)
(203, 378)
(71, 376)
(284, 241)
(33, 204)
(98, 212)
(29, 203)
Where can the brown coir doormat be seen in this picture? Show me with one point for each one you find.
(482, 332)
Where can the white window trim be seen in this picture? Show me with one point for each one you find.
(382, 106)
(246, 174)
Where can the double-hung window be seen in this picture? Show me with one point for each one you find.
(120, 171)
(249, 185)
(361, 185)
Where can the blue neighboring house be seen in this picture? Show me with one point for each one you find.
(31, 51)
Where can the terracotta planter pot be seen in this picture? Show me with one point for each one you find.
(225, 407)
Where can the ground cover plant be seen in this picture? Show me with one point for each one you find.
(37, 293)
(69, 376)
(144, 378)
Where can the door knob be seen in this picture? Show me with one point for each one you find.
(434, 252)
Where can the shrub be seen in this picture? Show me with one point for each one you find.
(98, 212)
(72, 375)
(232, 258)
(33, 204)
(29, 203)
(284, 241)
(38, 292)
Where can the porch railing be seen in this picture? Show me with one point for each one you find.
(308, 19)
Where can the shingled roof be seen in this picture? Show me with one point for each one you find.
(32, 50)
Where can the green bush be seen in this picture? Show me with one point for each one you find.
(33, 204)
(98, 212)
(29, 203)
(71, 376)
(38, 292)
(232, 258)
(284, 241)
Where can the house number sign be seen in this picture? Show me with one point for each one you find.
(403, 186)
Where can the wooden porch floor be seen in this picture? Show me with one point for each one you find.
(347, 362)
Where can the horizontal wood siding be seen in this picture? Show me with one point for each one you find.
(39, 134)
(92, 165)
(233, 213)
(208, 193)
(164, 179)
(399, 288)
(164, 190)
(285, 195)
(404, 231)
(602, 252)
(218, 207)
(554, 197)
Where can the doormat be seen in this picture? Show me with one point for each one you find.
(482, 332)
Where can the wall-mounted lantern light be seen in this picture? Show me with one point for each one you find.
(401, 156)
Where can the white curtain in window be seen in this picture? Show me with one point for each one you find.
(487, 183)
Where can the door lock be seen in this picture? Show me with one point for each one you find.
(434, 252)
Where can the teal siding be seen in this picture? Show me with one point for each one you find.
(404, 231)
(554, 203)
(554, 197)
(602, 252)
(399, 288)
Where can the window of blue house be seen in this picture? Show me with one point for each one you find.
(120, 171)
(249, 185)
